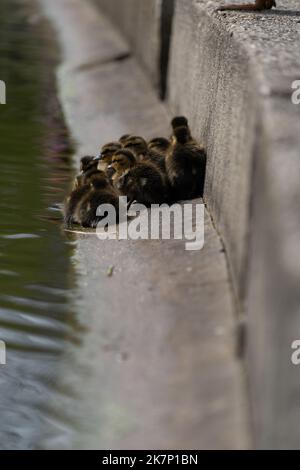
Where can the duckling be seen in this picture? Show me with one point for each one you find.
(158, 148)
(106, 154)
(159, 145)
(86, 162)
(91, 165)
(179, 121)
(123, 138)
(100, 192)
(185, 163)
(88, 166)
(143, 183)
(138, 146)
(73, 201)
(111, 147)
(121, 161)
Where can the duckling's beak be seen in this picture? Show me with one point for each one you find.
(98, 158)
(110, 171)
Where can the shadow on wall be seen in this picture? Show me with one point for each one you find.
(167, 13)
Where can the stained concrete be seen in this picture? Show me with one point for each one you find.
(157, 366)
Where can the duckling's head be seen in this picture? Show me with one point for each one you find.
(181, 135)
(106, 154)
(137, 145)
(121, 161)
(110, 148)
(159, 144)
(179, 121)
(99, 181)
(87, 162)
(124, 138)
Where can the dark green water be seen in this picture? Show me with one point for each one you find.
(37, 319)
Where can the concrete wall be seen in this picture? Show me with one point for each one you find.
(233, 78)
(139, 21)
(231, 75)
(211, 83)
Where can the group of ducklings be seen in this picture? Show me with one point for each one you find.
(155, 172)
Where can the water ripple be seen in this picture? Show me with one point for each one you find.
(19, 236)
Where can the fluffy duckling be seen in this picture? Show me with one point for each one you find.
(143, 183)
(121, 161)
(88, 166)
(158, 148)
(72, 202)
(100, 192)
(86, 162)
(159, 145)
(185, 162)
(179, 121)
(139, 147)
(123, 138)
(106, 154)
(111, 147)
(81, 185)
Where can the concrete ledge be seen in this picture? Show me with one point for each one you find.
(231, 73)
(157, 366)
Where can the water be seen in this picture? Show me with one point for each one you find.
(37, 317)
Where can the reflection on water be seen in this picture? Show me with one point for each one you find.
(36, 277)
